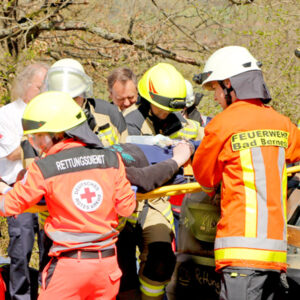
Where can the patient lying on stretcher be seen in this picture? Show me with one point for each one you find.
(147, 166)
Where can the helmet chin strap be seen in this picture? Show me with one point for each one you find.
(226, 92)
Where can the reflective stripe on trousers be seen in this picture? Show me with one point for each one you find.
(151, 290)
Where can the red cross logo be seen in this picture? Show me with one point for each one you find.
(87, 195)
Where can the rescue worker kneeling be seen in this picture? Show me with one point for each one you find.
(85, 190)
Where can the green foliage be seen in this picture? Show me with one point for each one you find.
(4, 237)
(192, 29)
(5, 98)
(270, 29)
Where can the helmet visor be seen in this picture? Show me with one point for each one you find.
(31, 125)
(70, 80)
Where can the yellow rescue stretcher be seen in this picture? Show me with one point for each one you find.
(167, 190)
(291, 170)
(171, 190)
(193, 187)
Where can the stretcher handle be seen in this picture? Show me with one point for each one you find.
(171, 190)
(291, 170)
(193, 187)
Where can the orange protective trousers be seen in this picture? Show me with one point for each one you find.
(2, 287)
(74, 278)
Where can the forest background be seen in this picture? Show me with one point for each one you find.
(105, 34)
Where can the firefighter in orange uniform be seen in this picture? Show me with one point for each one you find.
(85, 189)
(246, 148)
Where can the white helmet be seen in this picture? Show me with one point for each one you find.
(190, 97)
(68, 75)
(226, 63)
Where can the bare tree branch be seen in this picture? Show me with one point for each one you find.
(117, 38)
(53, 13)
(30, 29)
(241, 2)
(132, 19)
(178, 27)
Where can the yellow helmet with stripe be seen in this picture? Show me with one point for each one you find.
(52, 112)
(163, 86)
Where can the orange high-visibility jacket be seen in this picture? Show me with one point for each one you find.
(246, 148)
(85, 190)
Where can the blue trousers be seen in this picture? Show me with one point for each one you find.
(22, 231)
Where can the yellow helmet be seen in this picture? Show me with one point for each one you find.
(163, 86)
(52, 112)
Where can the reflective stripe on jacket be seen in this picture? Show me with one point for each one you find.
(192, 130)
(106, 121)
(85, 191)
(245, 148)
(139, 122)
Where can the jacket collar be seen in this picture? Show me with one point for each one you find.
(65, 144)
